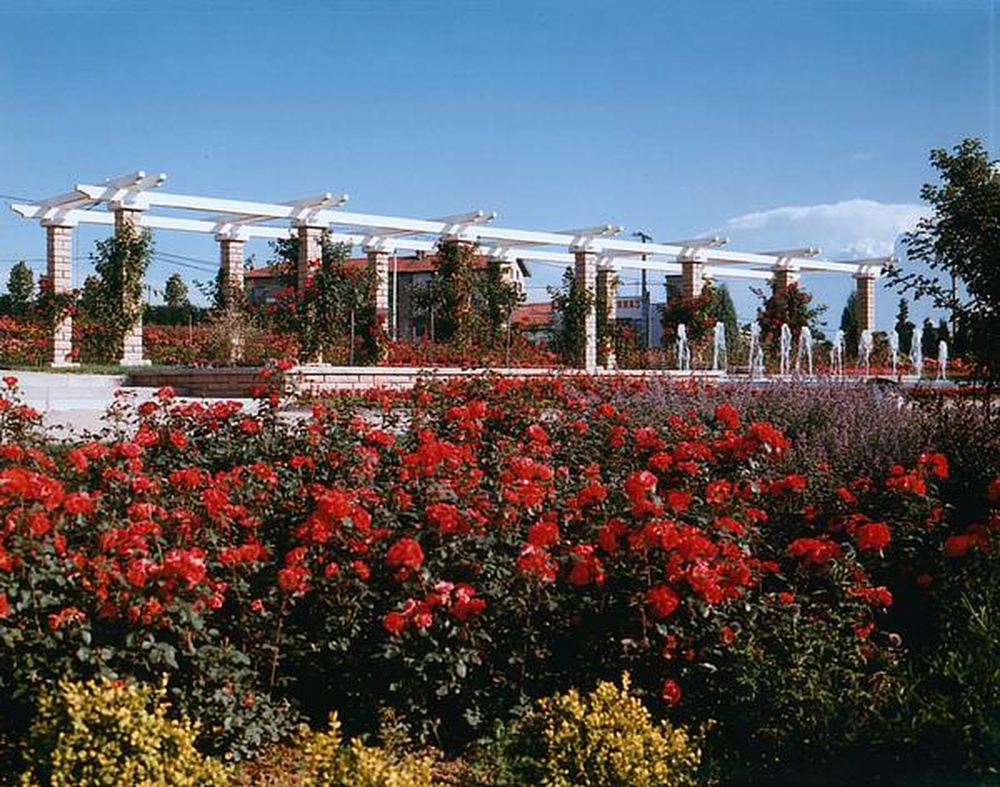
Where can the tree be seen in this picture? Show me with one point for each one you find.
(904, 326)
(20, 289)
(724, 311)
(175, 293)
(573, 302)
(791, 305)
(495, 299)
(849, 324)
(337, 303)
(960, 243)
(455, 281)
(929, 339)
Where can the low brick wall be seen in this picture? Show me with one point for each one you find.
(232, 383)
(313, 379)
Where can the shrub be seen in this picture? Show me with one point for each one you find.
(105, 732)
(328, 763)
(948, 713)
(602, 739)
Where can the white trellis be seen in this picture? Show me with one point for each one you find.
(595, 252)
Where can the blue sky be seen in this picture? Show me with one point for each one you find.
(776, 123)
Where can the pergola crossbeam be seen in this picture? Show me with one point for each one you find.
(595, 251)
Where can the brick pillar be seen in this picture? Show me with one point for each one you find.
(783, 277)
(692, 280)
(232, 264)
(605, 304)
(132, 343)
(378, 261)
(59, 270)
(865, 304)
(310, 255)
(585, 273)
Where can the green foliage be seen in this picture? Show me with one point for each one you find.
(904, 326)
(112, 299)
(948, 712)
(573, 302)
(173, 315)
(105, 732)
(606, 738)
(329, 763)
(454, 282)
(791, 305)
(466, 303)
(20, 290)
(337, 305)
(698, 315)
(725, 312)
(932, 336)
(496, 299)
(850, 326)
(175, 293)
(961, 241)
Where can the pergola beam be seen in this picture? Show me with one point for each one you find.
(242, 219)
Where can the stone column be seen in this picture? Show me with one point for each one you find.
(231, 261)
(378, 261)
(310, 255)
(59, 270)
(132, 344)
(605, 305)
(783, 277)
(692, 279)
(585, 274)
(865, 303)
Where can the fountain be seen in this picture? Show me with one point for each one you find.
(942, 360)
(865, 351)
(837, 354)
(917, 351)
(683, 351)
(755, 358)
(894, 350)
(786, 350)
(719, 360)
(805, 349)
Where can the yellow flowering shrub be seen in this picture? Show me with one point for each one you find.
(104, 732)
(328, 763)
(607, 738)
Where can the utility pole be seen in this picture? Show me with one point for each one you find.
(646, 311)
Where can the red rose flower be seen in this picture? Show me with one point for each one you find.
(671, 692)
(873, 536)
(663, 601)
(405, 553)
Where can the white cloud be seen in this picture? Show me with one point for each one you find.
(851, 229)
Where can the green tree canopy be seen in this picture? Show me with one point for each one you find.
(791, 305)
(960, 243)
(20, 289)
(724, 311)
(175, 293)
(904, 326)
(572, 302)
(849, 324)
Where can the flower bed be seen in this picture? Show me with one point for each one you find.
(451, 553)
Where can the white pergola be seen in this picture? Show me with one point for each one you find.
(596, 252)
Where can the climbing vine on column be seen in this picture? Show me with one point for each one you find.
(112, 301)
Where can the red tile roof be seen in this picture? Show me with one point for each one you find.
(409, 264)
(533, 315)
